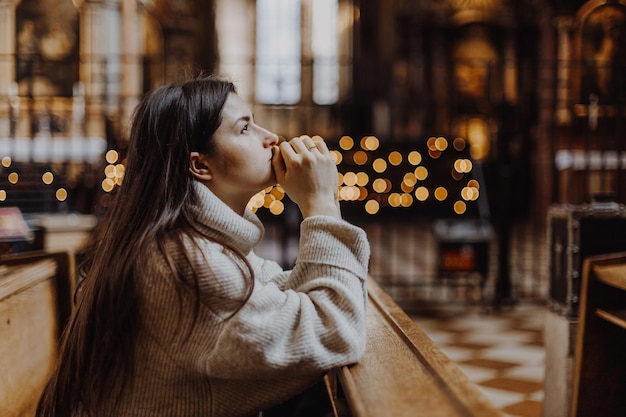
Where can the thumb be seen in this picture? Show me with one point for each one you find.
(278, 164)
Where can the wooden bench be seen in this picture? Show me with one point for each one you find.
(600, 354)
(403, 372)
(34, 307)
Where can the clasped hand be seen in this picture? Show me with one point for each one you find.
(307, 172)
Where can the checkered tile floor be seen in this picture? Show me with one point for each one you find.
(501, 352)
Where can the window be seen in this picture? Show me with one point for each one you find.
(278, 52)
(325, 51)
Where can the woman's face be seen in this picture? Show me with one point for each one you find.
(241, 165)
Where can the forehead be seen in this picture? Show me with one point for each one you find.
(234, 108)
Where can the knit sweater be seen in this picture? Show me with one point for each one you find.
(237, 360)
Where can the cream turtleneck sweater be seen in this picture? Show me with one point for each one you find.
(296, 325)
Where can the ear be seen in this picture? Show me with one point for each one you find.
(199, 166)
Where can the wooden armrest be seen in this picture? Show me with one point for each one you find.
(599, 365)
(28, 335)
(403, 372)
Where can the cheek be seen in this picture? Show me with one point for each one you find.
(224, 160)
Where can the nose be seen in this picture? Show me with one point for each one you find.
(270, 137)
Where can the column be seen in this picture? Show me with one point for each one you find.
(236, 21)
(133, 33)
(100, 70)
(564, 52)
(347, 16)
(7, 62)
(510, 68)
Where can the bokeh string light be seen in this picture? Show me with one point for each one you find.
(374, 178)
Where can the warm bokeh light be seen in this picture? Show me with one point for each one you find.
(349, 193)
(346, 143)
(349, 178)
(370, 143)
(13, 177)
(3, 195)
(379, 165)
(421, 193)
(414, 158)
(109, 171)
(381, 185)
(430, 143)
(111, 156)
(278, 192)
(456, 175)
(421, 173)
(434, 153)
(277, 207)
(372, 207)
(441, 144)
(47, 178)
(394, 199)
(337, 156)
(406, 188)
(441, 193)
(61, 194)
(473, 183)
(409, 179)
(460, 207)
(6, 161)
(463, 165)
(459, 144)
(470, 193)
(360, 158)
(256, 201)
(362, 179)
(476, 194)
(395, 158)
(107, 185)
(406, 200)
(120, 170)
(268, 199)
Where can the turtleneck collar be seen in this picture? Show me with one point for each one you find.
(218, 220)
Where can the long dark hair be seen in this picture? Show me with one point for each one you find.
(153, 203)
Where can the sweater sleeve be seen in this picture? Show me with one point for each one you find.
(314, 323)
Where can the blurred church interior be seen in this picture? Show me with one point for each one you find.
(480, 143)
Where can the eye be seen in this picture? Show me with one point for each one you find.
(245, 128)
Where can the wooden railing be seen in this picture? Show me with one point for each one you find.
(34, 307)
(600, 363)
(403, 372)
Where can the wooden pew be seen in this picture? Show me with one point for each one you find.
(403, 372)
(65, 278)
(600, 354)
(34, 307)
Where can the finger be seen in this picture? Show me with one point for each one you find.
(287, 149)
(321, 146)
(309, 142)
(278, 164)
(299, 145)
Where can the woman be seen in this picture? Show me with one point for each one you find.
(176, 315)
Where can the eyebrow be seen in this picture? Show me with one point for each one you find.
(245, 118)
